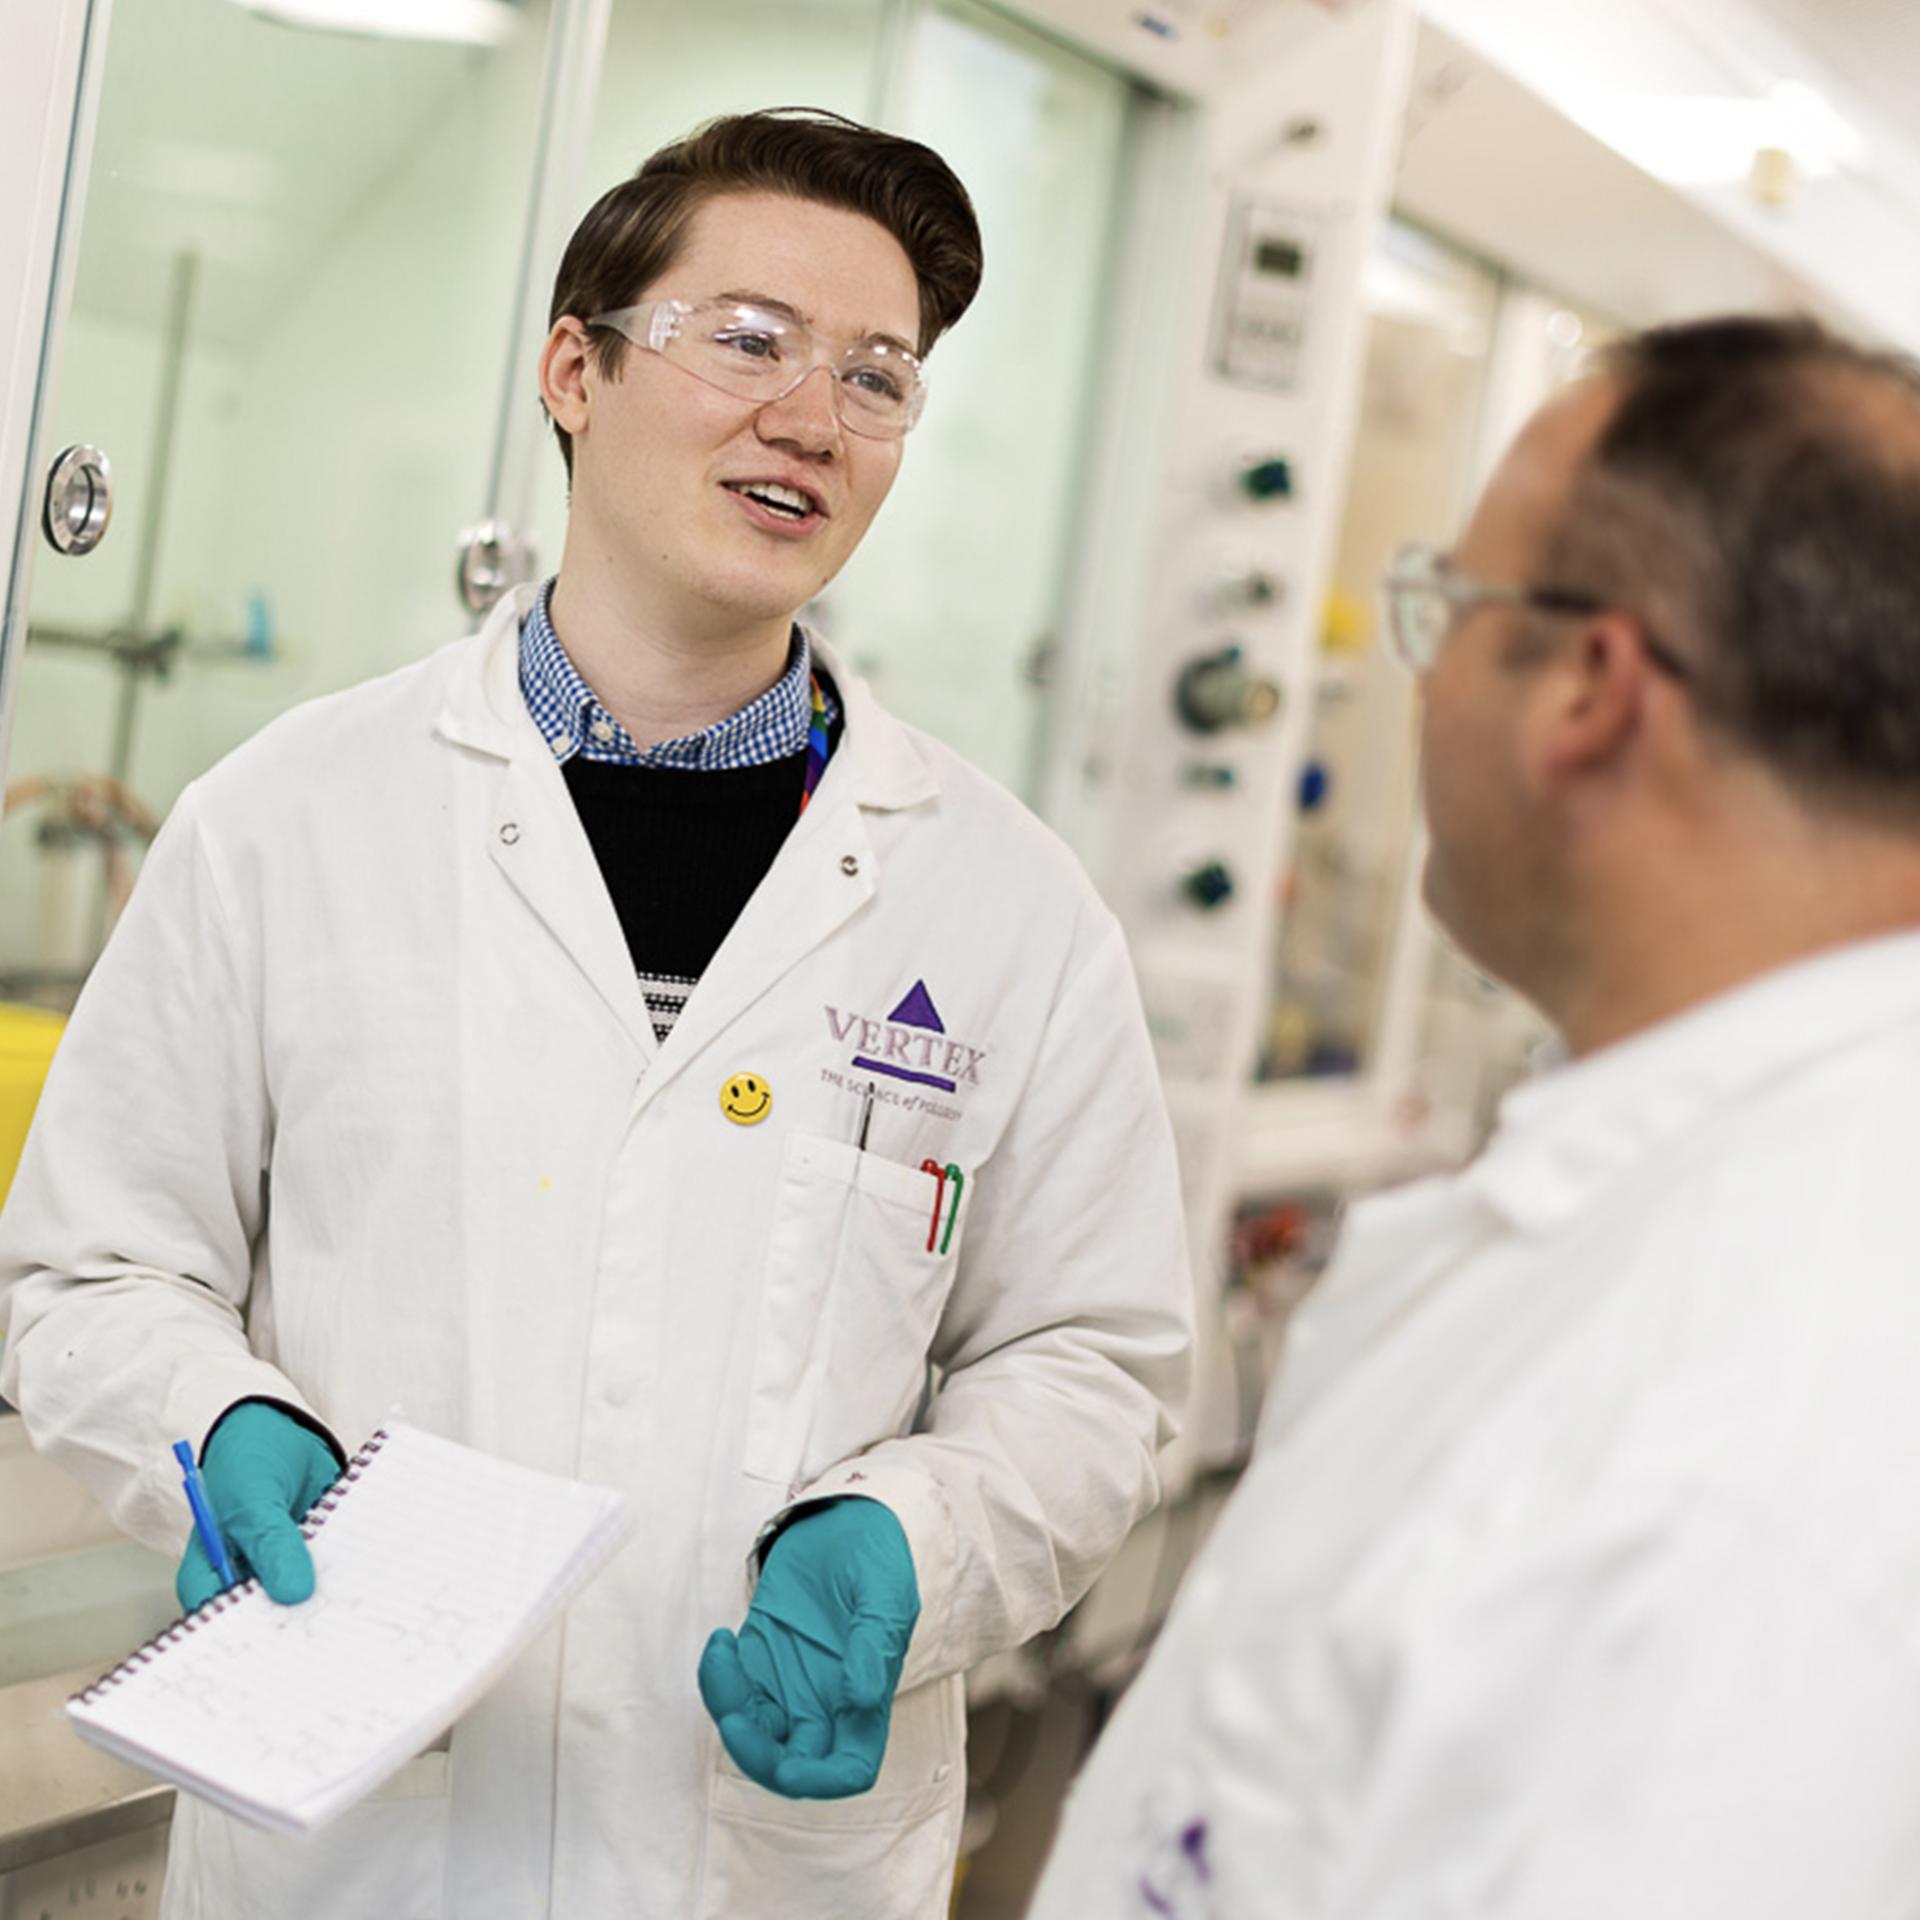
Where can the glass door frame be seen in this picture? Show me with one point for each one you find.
(50, 100)
(569, 96)
(1070, 669)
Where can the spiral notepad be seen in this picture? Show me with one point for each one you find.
(435, 1566)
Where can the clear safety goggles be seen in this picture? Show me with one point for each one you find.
(761, 354)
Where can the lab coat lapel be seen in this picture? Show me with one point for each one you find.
(539, 845)
(534, 835)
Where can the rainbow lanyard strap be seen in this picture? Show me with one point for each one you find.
(819, 747)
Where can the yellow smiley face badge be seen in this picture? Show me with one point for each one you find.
(746, 1099)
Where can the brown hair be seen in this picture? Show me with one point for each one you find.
(633, 232)
(1756, 493)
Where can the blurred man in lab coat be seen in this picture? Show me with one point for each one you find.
(1577, 1574)
(621, 1044)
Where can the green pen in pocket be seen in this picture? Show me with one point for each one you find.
(956, 1180)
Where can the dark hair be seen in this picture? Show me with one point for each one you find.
(1756, 497)
(633, 232)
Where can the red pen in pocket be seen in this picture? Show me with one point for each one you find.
(939, 1198)
(949, 1175)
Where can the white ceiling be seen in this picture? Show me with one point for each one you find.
(1871, 46)
(1488, 163)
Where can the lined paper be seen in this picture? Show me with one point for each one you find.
(434, 1567)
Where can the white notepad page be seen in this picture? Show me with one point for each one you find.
(435, 1565)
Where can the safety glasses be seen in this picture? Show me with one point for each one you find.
(1423, 596)
(761, 353)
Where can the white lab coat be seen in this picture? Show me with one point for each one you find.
(1577, 1576)
(371, 971)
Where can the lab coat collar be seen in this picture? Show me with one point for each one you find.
(1564, 1136)
(877, 757)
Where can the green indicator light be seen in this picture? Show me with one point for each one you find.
(1269, 480)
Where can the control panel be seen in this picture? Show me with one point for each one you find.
(1261, 331)
(1215, 546)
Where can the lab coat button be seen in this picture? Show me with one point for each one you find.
(509, 833)
(849, 865)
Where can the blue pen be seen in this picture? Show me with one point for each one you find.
(203, 1516)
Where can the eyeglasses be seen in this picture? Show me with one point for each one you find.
(762, 354)
(1423, 597)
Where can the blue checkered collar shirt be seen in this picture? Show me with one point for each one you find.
(572, 720)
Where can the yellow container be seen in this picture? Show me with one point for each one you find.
(28, 1036)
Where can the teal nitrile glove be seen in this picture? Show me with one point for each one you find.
(262, 1470)
(803, 1695)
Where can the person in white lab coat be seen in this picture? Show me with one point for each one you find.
(616, 1043)
(1577, 1572)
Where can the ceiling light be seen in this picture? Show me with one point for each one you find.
(1820, 137)
(1712, 140)
(481, 23)
(1566, 329)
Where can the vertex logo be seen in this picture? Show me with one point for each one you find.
(910, 1044)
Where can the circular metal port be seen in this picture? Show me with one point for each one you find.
(79, 500)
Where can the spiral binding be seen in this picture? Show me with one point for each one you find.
(317, 1516)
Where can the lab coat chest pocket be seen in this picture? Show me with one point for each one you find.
(857, 1274)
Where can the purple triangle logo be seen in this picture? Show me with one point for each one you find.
(917, 1010)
